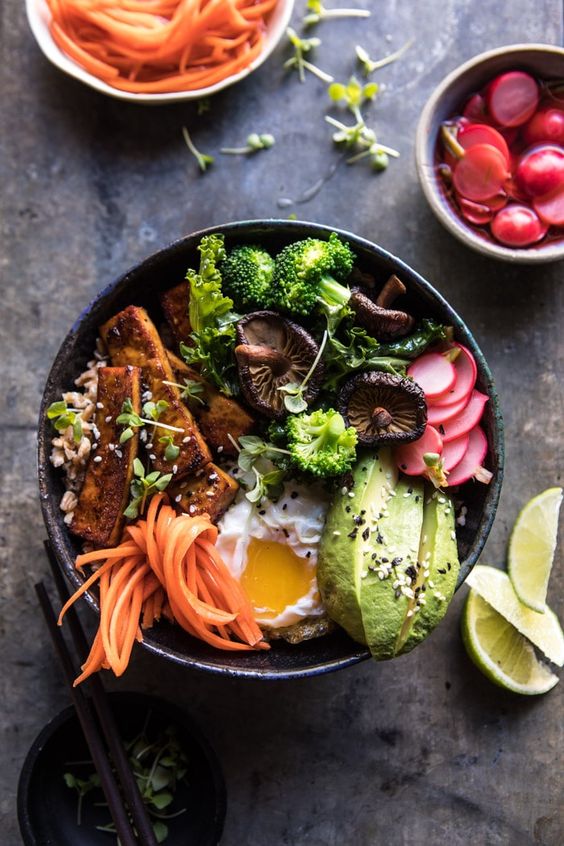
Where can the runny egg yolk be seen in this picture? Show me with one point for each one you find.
(274, 577)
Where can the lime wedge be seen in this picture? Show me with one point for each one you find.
(500, 652)
(543, 630)
(531, 548)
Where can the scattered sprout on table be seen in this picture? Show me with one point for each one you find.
(255, 142)
(316, 12)
(204, 160)
(370, 65)
(303, 46)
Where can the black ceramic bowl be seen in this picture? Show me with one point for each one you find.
(141, 286)
(47, 808)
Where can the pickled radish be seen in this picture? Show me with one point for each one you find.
(547, 127)
(433, 373)
(477, 213)
(518, 225)
(438, 415)
(469, 417)
(466, 374)
(481, 133)
(513, 191)
(550, 207)
(498, 202)
(541, 170)
(453, 452)
(475, 108)
(481, 172)
(409, 457)
(512, 98)
(470, 467)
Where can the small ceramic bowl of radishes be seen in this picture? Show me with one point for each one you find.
(490, 153)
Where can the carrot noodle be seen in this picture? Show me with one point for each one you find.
(151, 46)
(166, 565)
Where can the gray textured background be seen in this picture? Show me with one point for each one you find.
(419, 751)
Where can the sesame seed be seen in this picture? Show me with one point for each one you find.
(191, 509)
(219, 449)
(152, 456)
(94, 446)
(409, 613)
(453, 535)
(336, 532)
(119, 453)
(178, 498)
(209, 494)
(108, 418)
(175, 468)
(351, 494)
(99, 405)
(143, 435)
(186, 439)
(406, 495)
(111, 447)
(98, 459)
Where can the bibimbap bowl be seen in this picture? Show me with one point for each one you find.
(141, 286)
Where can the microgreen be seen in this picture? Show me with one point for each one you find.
(294, 400)
(353, 95)
(203, 106)
(256, 458)
(363, 138)
(304, 46)
(190, 390)
(132, 420)
(204, 161)
(82, 787)
(143, 487)
(370, 65)
(172, 451)
(317, 12)
(255, 142)
(62, 416)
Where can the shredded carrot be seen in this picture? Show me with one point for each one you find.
(146, 46)
(166, 565)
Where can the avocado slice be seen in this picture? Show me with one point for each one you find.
(350, 536)
(386, 589)
(438, 571)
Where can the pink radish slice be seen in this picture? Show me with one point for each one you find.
(475, 109)
(409, 457)
(467, 419)
(541, 170)
(466, 374)
(546, 126)
(513, 191)
(475, 213)
(517, 225)
(550, 207)
(437, 415)
(480, 173)
(471, 464)
(498, 202)
(481, 133)
(453, 452)
(433, 373)
(512, 98)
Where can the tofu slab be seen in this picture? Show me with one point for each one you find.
(98, 517)
(174, 304)
(209, 491)
(132, 339)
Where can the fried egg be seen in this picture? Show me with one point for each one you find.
(271, 549)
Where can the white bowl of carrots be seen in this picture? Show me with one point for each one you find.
(162, 51)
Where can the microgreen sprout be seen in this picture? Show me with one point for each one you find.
(172, 451)
(132, 420)
(62, 416)
(317, 12)
(370, 65)
(190, 390)
(353, 95)
(254, 143)
(82, 787)
(303, 46)
(256, 457)
(143, 487)
(294, 400)
(202, 158)
(203, 106)
(363, 138)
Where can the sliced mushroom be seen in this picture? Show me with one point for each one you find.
(383, 408)
(272, 352)
(376, 317)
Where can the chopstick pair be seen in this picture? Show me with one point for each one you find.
(91, 727)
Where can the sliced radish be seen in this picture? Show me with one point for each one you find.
(466, 374)
(512, 98)
(480, 173)
(470, 467)
(547, 126)
(513, 191)
(475, 109)
(481, 133)
(453, 452)
(540, 170)
(550, 208)
(409, 457)
(467, 419)
(438, 415)
(433, 373)
(476, 213)
(517, 225)
(498, 202)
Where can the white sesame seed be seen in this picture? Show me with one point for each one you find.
(219, 449)
(453, 535)
(406, 495)
(98, 459)
(442, 500)
(351, 494)
(191, 509)
(209, 494)
(108, 418)
(143, 435)
(426, 573)
(119, 453)
(94, 446)
(178, 498)
(152, 456)
(431, 583)
(409, 613)
(187, 439)
(111, 447)
(175, 468)
(99, 405)
(336, 532)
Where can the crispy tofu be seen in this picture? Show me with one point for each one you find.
(174, 304)
(219, 416)
(132, 338)
(98, 517)
(209, 491)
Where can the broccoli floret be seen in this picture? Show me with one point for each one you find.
(320, 443)
(247, 273)
(310, 273)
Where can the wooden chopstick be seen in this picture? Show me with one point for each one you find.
(105, 716)
(88, 725)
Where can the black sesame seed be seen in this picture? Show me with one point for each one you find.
(379, 538)
(385, 560)
(366, 534)
(442, 572)
(423, 587)
(353, 534)
(417, 498)
(285, 506)
(358, 521)
(348, 509)
(363, 512)
(262, 511)
(398, 593)
(308, 553)
(448, 565)
(398, 560)
(286, 532)
(294, 495)
(410, 490)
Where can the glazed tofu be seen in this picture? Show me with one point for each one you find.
(219, 416)
(132, 339)
(209, 491)
(174, 304)
(98, 517)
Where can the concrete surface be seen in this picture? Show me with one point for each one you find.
(419, 751)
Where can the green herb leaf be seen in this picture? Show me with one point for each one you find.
(162, 800)
(160, 831)
(126, 435)
(56, 409)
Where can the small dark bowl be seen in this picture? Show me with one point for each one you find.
(544, 61)
(141, 285)
(47, 808)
